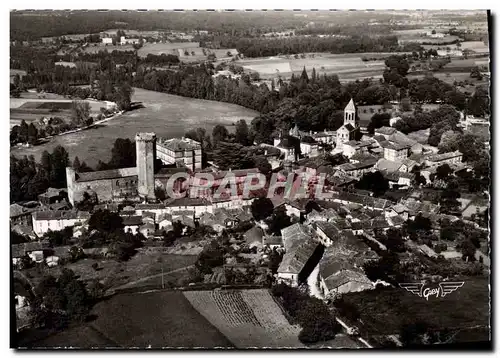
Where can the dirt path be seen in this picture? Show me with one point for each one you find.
(143, 279)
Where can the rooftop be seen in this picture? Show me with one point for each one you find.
(177, 145)
(296, 257)
(444, 156)
(145, 136)
(106, 174)
(60, 215)
(385, 130)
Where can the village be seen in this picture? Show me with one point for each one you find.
(325, 245)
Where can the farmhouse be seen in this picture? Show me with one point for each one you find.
(395, 151)
(107, 40)
(43, 221)
(358, 169)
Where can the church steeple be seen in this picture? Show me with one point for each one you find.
(350, 114)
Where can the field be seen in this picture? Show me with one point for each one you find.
(142, 320)
(248, 318)
(145, 264)
(346, 66)
(167, 115)
(31, 107)
(383, 311)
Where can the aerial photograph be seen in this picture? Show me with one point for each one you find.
(243, 180)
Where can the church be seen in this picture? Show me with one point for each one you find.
(348, 130)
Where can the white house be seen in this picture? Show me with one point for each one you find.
(43, 221)
(107, 40)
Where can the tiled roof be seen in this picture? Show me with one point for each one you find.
(186, 201)
(356, 166)
(253, 234)
(17, 210)
(176, 144)
(297, 256)
(385, 130)
(273, 240)
(444, 156)
(60, 215)
(106, 174)
(349, 127)
(149, 206)
(346, 276)
(394, 145)
(134, 220)
(389, 165)
(295, 233)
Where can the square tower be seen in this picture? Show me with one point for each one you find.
(145, 144)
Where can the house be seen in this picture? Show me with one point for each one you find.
(24, 230)
(398, 210)
(444, 158)
(148, 217)
(209, 219)
(391, 166)
(20, 215)
(356, 170)
(182, 152)
(34, 250)
(326, 137)
(327, 232)
(362, 200)
(288, 145)
(107, 40)
(295, 233)
(52, 196)
(385, 132)
(164, 222)
(132, 223)
(399, 179)
(353, 147)
(43, 221)
(395, 151)
(147, 229)
(272, 241)
(342, 281)
(299, 261)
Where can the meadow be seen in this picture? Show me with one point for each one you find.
(167, 115)
(346, 66)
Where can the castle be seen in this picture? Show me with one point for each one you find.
(137, 183)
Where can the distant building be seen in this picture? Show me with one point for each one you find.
(186, 152)
(395, 151)
(127, 41)
(107, 40)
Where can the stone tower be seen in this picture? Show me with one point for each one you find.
(350, 114)
(145, 144)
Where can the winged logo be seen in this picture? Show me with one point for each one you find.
(415, 288)
(449, 287)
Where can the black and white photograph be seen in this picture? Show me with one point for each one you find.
(250, 179)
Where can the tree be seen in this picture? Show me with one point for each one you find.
(373, 181)
(279, 221)
(219, 134)
(123, 154)
(80, 111)
(262, 208)
(405, 105)
(59, 160)
(275, 259)
(443, 171)
(123, 96)
(32, 134)
(76, 164)
(475, 73)
(242, 134)
(263, 165)
(394, 240)
(378, 120)
(105, 221)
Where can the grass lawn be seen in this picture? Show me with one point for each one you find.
(384, 311)
(113, 273)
